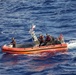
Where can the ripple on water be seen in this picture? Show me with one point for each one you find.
(49, 16)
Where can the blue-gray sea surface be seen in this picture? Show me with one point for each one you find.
(50, 16)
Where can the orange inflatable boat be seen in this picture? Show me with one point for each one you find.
(22, 49)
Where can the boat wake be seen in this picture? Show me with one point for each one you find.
(71, 44)
(40, 54)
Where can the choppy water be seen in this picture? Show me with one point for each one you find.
(49, 16)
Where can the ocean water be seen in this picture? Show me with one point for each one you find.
(50, 16)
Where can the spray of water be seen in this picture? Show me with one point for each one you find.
(71, 44)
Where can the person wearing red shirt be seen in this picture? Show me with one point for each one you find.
(61, 39)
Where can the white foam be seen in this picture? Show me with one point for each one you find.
(71, 44)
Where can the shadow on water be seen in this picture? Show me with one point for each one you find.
(33, 63)
(10, 59)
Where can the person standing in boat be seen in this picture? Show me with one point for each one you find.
(13, 42)
(61, 39)
(41, 39)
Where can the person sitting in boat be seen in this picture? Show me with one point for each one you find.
(61, 39)
(41, 39)
(13, 42)
(57, 41)
(48, 39)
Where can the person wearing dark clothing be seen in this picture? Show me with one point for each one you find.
(48, 39)
(57, 41)
(53, 40)
(13, 42)
(41, 40)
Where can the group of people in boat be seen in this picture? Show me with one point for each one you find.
(50, 40)
(41, 40)
(47, 40)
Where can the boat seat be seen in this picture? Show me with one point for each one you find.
(25, 45)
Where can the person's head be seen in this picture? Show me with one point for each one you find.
(13, 38)
(47, 34)
(61, 35)
(41, 35)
